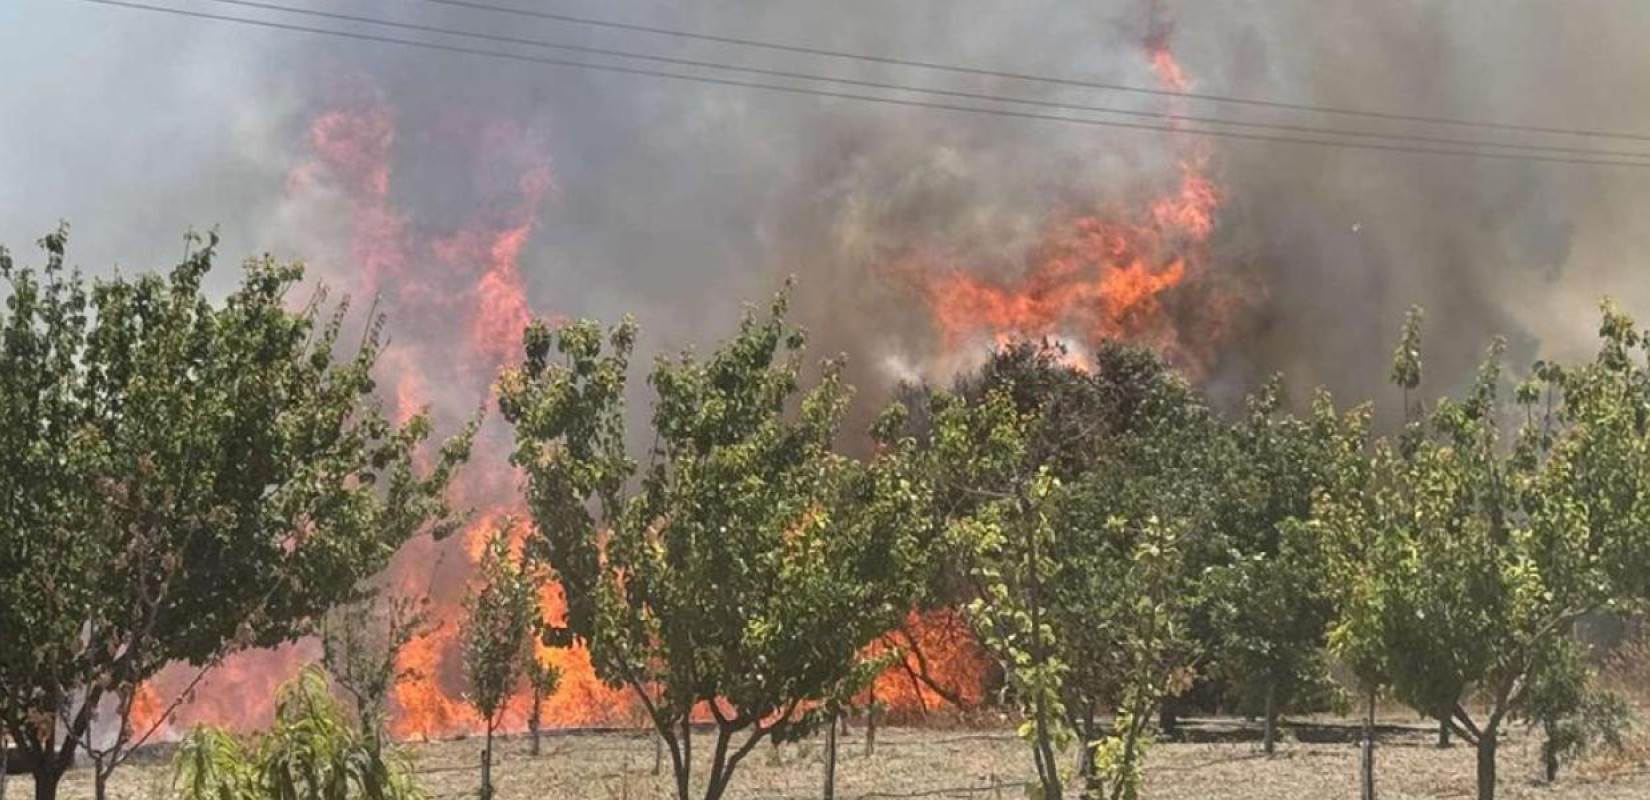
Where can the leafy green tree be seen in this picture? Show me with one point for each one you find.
(211, 763)
(1272, 600)
(1054, 480)
(1148, 624)
(543, 680)
(314, 751)
(1478, 559)
(1012, 617)
(498, 639)
(180, 478)
(1576, 716)
(752, 564)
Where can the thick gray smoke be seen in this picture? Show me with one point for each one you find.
(680, 201)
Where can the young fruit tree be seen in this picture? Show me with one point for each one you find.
(361, 644)
(751, 566)
(1271, 599)
(542, 680)
(1072, 494)
(499, 628)
(314, 751)
(1481, 558)
(181, 478)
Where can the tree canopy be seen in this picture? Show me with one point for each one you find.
(1475, 558)
(181, 478)
(751, 565)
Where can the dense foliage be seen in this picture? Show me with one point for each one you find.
(1270, 598)
(1474, 560)
(314, 751)
(1112, 534)
(181, 478)
(752, 564)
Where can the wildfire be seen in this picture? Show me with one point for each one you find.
(1111, 273)
(470, 280)
(1130, 273)
(460, 289)
(939, 664)
(1095, 277)
(146, 709)
(1104, 273)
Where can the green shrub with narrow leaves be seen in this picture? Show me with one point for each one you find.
(314, 751)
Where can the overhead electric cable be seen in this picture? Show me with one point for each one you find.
(982, 96)
(1023, 76)
(799, 90)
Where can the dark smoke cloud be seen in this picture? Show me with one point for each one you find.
(680, 202)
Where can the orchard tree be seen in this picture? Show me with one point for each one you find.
(542, 681)
(498, 639)
(181, 478)
(1147, 625)
(751, 566)
(1481, 558)
(1077, 497)
(1271, 600)
(361, 644)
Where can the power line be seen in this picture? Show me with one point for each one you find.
(981, 96)
(1022, 76)
(798, 90)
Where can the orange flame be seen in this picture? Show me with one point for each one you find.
(1110, 273)
(939, 664)
(1095, 277)
(146, 709)
(464, 289)
(1106, 274)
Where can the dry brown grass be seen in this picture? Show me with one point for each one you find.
(1626, 672)
(987, 763)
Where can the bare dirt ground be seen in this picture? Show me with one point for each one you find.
(990, 763)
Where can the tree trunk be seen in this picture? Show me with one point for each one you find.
(1085, 759)
(658, 753)
(1269, 732)
(720, 771)
(1168, 718)
(1124, 790)
(1443, 733)
(49, 766)
(45, 782)
(1486, 765)
(1366, 777)
(1549, 752)
(1048, 770)
(487, 766)
(830, 760)
(5, 752)
(533, 721)
(100, 783)
(684, 768)
(871, 725)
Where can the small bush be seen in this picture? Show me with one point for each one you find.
(315, 751)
